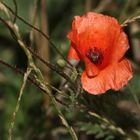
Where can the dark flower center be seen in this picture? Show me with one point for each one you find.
(95, 55)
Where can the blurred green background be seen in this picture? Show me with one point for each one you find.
(36, 118)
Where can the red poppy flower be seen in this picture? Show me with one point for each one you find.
(100, 42)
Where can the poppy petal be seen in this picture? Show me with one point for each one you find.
(72, 53)
(120, 47)
(91, 69)
(114, 77)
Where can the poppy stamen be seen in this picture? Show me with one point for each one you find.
(95, 55)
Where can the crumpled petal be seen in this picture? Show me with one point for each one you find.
(112, 77)
(120, 47)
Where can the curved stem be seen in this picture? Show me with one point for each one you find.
(38, 30)
(130, 20)
(65, 123)
(38, 74)
(18, 103)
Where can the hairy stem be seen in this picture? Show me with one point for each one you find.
(130, 20)
(38, 30)
(38, 75)
(18, 103)
(69, 128)
(33, 81)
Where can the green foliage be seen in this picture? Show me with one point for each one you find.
(97, 130)
(117, 114)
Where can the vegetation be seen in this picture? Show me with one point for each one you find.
(41, 97)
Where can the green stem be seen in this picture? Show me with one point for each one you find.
(38, 30)
(48, 91)
(42, 82)
(18, 103)
(65, 123)
(39, 76)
